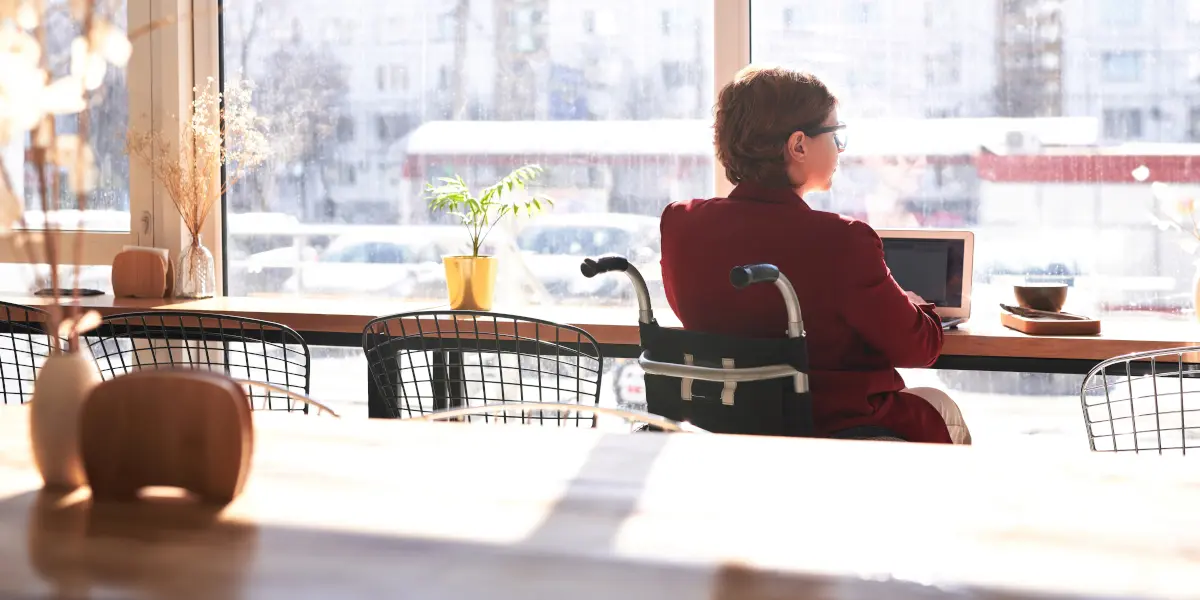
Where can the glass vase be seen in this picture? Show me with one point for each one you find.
(196, 276)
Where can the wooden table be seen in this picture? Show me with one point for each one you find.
(983, 337)
(365, 509)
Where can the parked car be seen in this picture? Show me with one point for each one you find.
(552, 247)
(400, 262)
(251, 234)
(1004, 258)
(267, 271)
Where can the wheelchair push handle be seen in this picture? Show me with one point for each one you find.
(747, 275)
(605, 264)
(608, 263)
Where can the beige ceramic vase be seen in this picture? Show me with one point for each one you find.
(61, 389)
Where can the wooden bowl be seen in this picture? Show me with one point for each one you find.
(1041, 296)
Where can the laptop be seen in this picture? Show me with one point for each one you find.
(935, 264)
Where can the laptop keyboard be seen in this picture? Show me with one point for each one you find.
(948, 324)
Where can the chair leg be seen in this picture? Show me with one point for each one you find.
(457, 388)
(441, 379)
(377, 400)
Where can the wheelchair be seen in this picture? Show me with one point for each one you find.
(721, 383)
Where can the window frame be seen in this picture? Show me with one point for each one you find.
(141, 75)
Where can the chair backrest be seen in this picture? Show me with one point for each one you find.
(24, 346)
(240, 347)
(1145, 402)
(422, 362)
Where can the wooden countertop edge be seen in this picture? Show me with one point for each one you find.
(324, 316)
(1016, 345)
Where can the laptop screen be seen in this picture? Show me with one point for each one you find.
(930, 268)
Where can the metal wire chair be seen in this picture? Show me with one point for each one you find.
(321, 408)
(24, 346)
(1144, 402)
(240, 347)
(427, 361)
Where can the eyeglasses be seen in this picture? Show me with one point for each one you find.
(838, 131)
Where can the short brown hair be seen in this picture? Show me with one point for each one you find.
(756, 113)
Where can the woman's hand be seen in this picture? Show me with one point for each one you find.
(915, 298)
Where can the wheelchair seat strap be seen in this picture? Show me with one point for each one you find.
(685, 383)
(730, 387)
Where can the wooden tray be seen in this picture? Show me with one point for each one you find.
(1050, 326)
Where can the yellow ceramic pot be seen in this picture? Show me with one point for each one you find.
(471, 281)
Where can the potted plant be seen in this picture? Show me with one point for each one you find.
(471, 279)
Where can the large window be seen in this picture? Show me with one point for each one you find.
(107, 208)
(1032, 145)
(612, 97)
(1023, 120)
(108, 119)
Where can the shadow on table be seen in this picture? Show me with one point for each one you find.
(177, 549)
(585, 515)
(77, 545)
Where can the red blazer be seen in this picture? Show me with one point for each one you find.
(860, 325)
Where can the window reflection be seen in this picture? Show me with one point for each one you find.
(612, 98)
(1023, 120)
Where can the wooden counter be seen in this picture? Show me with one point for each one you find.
(366, 509)
(984, 336)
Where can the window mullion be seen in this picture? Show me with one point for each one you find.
(731, 52)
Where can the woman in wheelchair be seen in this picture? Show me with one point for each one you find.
(778, 137)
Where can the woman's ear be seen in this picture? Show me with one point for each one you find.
(795, 146)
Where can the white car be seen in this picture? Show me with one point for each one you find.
(552, 246)
(399, 262)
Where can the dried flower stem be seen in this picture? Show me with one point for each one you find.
(223, 131)
(84, 118)
(42, 135)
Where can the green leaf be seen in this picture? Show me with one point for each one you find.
(481, 214)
